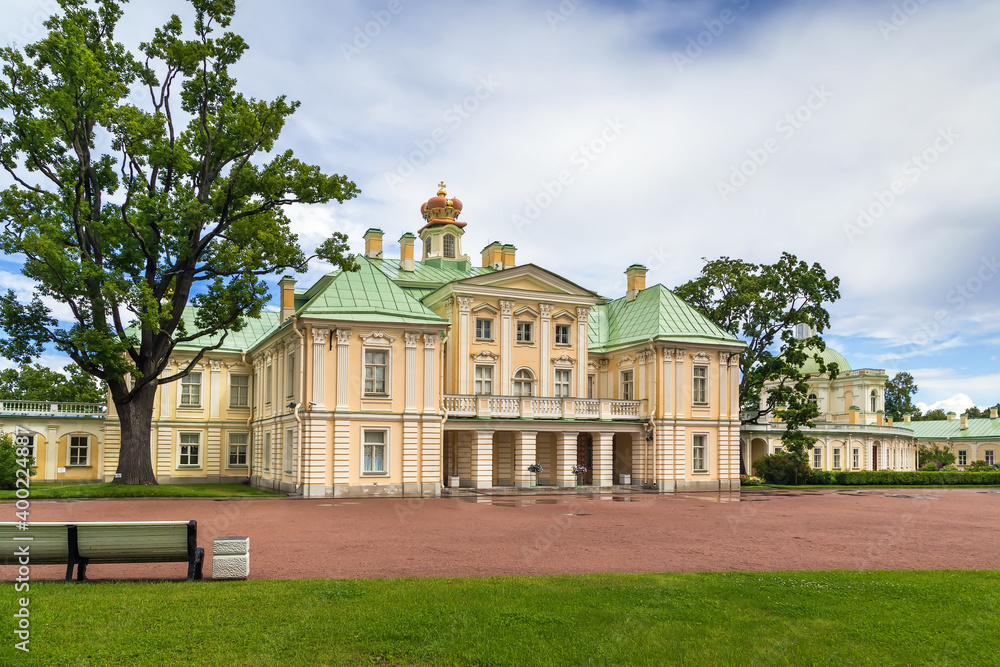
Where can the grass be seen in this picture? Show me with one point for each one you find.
(44, 490)
(804, 618)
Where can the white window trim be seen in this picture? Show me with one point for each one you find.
(533, 380)
(569, 335)
(837, 453)
(534, 333)
(493, 377)
(386, 458)
(959, 453)
(493, 328)
(377, 345)
(266, 452)
(555, 372)
(69, 445)
(621, 383)
(288, 451)
(708, 387)
(231, 393)
(812, 458)
(855, 456)
(268, 383)
(201, 392)
(229, 445)
(708, 453)
(291, 375)
(201, 450)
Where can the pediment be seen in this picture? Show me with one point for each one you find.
(529, 278)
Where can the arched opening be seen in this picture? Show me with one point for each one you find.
(874, 400)
(448, 248)
(622, 461)
(524, 381)
(758, 448)
(585, 455)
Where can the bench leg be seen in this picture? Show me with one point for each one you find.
(81, 570)
(69, 571)
(195, 567)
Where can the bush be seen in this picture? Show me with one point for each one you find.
(750, 480)
(978, 465)
(951, 467)
(942, 455)
(933, 466)
(910, 477)
(820, 477)
(779, 469)
(10, 461)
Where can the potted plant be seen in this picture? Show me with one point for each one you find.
(579, 471)
(534, 469)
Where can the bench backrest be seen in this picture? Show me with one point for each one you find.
(49, 543)
(100, 542)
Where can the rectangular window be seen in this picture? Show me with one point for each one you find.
(289, 450)
(699, 389)
(989, 457)
(79, 447)
(817, 458)
(836, 458)
(484, 329)
(290, 379)
(699, 454)
(267, 451)
(239, 391)
(562, 383)
(562, 334)
(524, 332)
(778, 448)
(484, 380)
(28, 443)
(628, 385)
(191, 390)
(268, 381)
(963, 457)
(591, 382)
(856, 458)
(190, 449)
(237, 450)
(376, 366)
(373, 456)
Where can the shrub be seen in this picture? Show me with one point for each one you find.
(910, 477)
(936, 453)
(750, 480)
(10, 461)
(820, 477)
(779, 469)
(933, 466)
(978, 465)
(951, 467)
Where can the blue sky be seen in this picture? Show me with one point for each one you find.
(861, 135)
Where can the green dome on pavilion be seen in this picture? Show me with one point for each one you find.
(829, 355)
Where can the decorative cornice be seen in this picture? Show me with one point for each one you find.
(626, 360)
(430, 340)
(343, 336)
(527, 311)
(701, 356)
(485, 355)
(378, 336)
(668, 354)
(464, 304)
(215, 364)
(591, 365)
(603, 364)
(564, 360)
(583, 314)
(546, 309)
(563, 313)
(319, 336)
(487, 307)
(506, 307)
(411, 339)
(679, 355)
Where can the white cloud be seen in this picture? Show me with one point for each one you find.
(958, 404)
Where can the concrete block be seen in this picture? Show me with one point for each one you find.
(231, 546)
(231, 567)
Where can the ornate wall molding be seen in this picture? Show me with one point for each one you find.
(506, 307)
(411, 339)
(319, 336)
(430, 340)
(377, 337)
(626, 360)
(701, 356)
(564, 360)
(545, 309)
(343, 336)
(464, 303)
(485, 355)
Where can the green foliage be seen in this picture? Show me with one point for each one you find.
(935, 454)
(978, 465)
(761, 304)
(915, 477)
(931, 466)
(38, 383)
(750, 480)
(781, 468)
(821, 477)
(931, 415)
(10, 461)
(976, 413)
(131, 212)
(899, 392)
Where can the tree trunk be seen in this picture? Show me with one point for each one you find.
(135, 465)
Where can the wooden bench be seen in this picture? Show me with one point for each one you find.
(81, 543)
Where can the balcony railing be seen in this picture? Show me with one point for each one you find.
(538, 407)
(46, 408)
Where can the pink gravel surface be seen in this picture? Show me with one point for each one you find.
(543, 535)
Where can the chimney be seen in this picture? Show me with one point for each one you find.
(880, 418)
(508, 256)
(287, 285)
(635, 277)
(853, 414)
(373, 243)
(493, 256)
(993, 413)
(406, 251)
(963, 423)
(906, 418)
(889, 421)
(951, 416)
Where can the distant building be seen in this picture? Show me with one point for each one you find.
(969, 439)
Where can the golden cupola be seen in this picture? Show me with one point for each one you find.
(442, 233)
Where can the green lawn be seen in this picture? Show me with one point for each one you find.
(809, 618)
(43, 490)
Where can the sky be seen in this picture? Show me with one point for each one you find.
(594, 134)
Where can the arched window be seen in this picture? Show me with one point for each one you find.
(523, 382)
(874, 400)
(449, 245)
(812, 397)
(427, 247)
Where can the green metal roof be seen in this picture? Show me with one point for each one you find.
(829, 355)
(236, 341)
(950, 428)
(424, 275)
(655, 313)
(366, 295)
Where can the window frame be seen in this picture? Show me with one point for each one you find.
(268, 383)
(288, 451)
(704, 446)
(627, 384)
(962, 457)
(233, 393)
(387, 371)
(246, 449)
(31, 443)
(181, 445)
(568, 384)
(555, 335)
(817, 452)
(837, 458)
(704, 391)
(445, 238)
(187, 382)
(70, 447)
(476, 381)
(855, 458)
(528, 380)
(874, 397)
(524, 326)
(488, 324)
(266, 456)
(989, 455)
(385, 431)
(290, 375)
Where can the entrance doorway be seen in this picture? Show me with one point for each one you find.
(585, 455)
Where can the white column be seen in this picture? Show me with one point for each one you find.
(215, 393)
(411, 371)
(544, 360)
(166, 392)
(318, 367)
(506, 347)
(524, 456)
(679, 385)
(581, 352)
(430, 402)
(482, 459)
(343, 368)
(668, 383)
(565, 458)
(723, 387)
(464, 333)
(604, 456)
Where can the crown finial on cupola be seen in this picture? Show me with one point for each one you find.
(441, 210)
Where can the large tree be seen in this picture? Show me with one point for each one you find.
(899, 392)
(762, 304)
(129, 213)
(38, 383)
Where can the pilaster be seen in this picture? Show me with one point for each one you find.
(482, 459)
(524, 455)
(544, 345)
(318, 367)
(343, 368)
(464, 334)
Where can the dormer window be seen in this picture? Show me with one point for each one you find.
(427, 247)
(449, 245)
